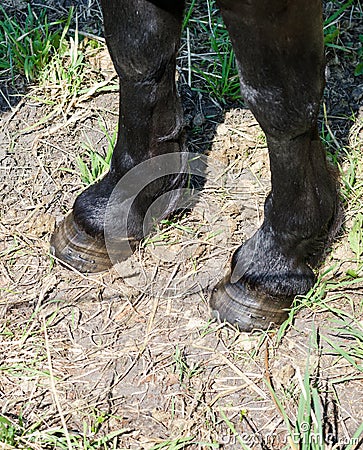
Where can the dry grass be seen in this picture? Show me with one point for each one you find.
(129, 358)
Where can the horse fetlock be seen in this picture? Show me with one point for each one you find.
(264, 264)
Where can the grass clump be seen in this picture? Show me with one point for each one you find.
(68, 75)
(214, 70)
(92, 164)
(44, 52)
(220, 73)
(310, 429)
(8, 432)
(27, 48)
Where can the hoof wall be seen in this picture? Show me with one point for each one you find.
(74, 247)
(247, 309)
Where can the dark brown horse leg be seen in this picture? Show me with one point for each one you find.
(279, 49)
(143, 39)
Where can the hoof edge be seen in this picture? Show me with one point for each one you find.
(76, 248)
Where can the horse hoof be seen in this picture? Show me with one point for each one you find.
(247, 309)
(74, 247)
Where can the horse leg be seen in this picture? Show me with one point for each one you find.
(143, 39)
(279, 50)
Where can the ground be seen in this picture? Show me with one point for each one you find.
(129, 359)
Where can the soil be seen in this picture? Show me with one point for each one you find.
(136, 343)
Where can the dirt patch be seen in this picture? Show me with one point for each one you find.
(135, 345)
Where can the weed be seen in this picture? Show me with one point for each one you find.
(188, 14)
(318, 300)
(167, 232)
(91, 164)
(356, 238)
(331, 26)
(332, 36)
(185, 370)
(215, 71)
(64, 75)
(30, 47)
(359, 68)
(8, 431)
(15, 435)
(351, 182)
(350, 346)
(307, 431)
(234, 432)
(221, 75)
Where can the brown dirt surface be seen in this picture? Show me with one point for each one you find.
(135, 345)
